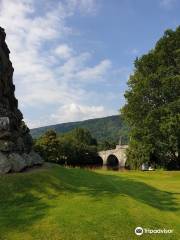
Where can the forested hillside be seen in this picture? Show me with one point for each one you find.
(103, 129)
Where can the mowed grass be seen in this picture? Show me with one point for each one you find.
(57, 203)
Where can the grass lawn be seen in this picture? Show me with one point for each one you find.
(56, 203)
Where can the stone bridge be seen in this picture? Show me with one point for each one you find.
(114, 157)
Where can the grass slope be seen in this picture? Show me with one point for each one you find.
(107, 128)
(72, 204)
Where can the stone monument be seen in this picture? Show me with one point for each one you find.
(15, 140)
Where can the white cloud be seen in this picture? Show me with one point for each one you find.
(94, 73)
(85, 6)
(167, 4)
(73, 65)
(63, 51)
(75, 112)
(38, 44)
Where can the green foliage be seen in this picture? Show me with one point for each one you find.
(81, 135)
(103, 129)
(106, 145)
(48, 146)
(76, 148)
(153, 105)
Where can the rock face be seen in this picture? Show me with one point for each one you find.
(15, 140)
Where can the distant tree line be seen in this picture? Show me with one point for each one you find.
(107, 129)
(152, 110)
(76, 148)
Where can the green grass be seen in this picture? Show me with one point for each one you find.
(56, 203)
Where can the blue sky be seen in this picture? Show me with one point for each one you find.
(72, 58)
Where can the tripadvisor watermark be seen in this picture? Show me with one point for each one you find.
(139, 231)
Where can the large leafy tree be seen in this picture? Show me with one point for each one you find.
(153, 105)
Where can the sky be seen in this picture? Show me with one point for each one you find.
(73, 58)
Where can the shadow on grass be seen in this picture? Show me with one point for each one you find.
(26, 198)
(98, 185)
(22, 201)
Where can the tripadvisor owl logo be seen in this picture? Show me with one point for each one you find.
(138, 231)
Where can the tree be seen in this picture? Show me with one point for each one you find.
(82, 135)
(76, 148)
(106, 145)
(81, 149)
(48, 146)
(153, 105)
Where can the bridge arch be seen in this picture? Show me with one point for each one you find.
(112, 161)
(119, 152)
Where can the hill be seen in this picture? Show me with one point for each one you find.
(106, 128)
(57, 203)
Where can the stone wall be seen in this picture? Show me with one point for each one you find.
(15, 140)
(119, 152)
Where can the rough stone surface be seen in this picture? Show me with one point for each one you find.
(18, 163)
(28, 159)
(5, 164)
(15, 139)
(36, 159)
(119, 152)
